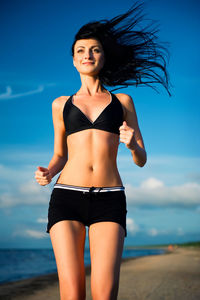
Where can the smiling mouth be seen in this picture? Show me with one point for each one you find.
(88, 63)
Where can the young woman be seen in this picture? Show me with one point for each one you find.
(88, 127)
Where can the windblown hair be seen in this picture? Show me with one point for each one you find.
(132, 54)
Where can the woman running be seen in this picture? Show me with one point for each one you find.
(88, 127)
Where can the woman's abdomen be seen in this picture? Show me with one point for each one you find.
(90, 175)
(91, 160)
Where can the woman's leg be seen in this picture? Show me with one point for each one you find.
(68, 240)
(106, 246)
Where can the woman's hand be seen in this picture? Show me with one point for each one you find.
(43, 176)
(127, 136)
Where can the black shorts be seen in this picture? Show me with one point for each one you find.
(87, 205)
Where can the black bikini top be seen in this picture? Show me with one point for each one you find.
(110, 119)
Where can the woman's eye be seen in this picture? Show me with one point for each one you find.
(96, 50)
(80, 50)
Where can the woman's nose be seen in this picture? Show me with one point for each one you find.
(88, 54)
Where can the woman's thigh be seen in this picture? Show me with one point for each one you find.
(68, 240)
(106, 246)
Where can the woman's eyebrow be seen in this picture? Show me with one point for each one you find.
(90, 47)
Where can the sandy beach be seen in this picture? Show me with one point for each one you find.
(170, 276)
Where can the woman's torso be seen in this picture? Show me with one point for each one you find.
(92, 152)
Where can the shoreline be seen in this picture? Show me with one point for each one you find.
(157, 251)
(26, 287)
(172, 275)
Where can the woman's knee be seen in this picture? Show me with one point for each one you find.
(72, 289)
(105, 291)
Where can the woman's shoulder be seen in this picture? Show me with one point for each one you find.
(59, 102)
(125, 99)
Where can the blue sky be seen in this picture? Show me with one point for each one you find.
(36, 67)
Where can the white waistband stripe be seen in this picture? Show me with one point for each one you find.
(89, 189)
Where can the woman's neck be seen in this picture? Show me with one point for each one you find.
(90, 85)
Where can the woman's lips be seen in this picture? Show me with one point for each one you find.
(88, 63)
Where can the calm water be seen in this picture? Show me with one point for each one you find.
(16, 264)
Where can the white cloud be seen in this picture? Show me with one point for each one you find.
(36, 234)
(6, 200)
(28, 193)
(16, 175)
(30, 187)
(13, 174)
(155, 232)
(30, 233)
(19, 187)
(167, 168)
(152, 232)
(153, 192)
(9, 93)
(132, 227)
(180, 231)
(42, 220)
(152, 183)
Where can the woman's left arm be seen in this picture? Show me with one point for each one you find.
(130, 133)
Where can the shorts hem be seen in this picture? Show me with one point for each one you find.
(73, 219)
(49, 226)
(109, 220)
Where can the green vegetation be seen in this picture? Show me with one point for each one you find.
(190, 244)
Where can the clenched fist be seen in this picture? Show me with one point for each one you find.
(43, 176)
(127, 136)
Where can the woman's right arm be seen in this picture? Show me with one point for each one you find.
(44, 175)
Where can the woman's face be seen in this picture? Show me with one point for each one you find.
(88, 56)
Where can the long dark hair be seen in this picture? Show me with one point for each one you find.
(132, 54)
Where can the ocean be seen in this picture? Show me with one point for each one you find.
(17, 264)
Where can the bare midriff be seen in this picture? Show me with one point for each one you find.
(91, 160)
